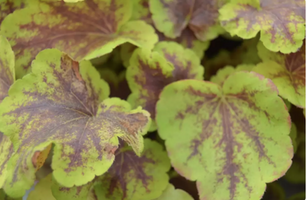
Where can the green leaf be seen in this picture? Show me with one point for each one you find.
(48, 189)
(118, 83)
(65, 103)
(83, 30)
(293, 135)
(281, 22)
(149, 72)
(201, 16)
(298, 196)
(287, 71)
(9, 6)
(231, 139)
(3, 196)
(223, 73)
(175, 194)
(136, 178)
(274, 191)
(7, 77)
(297, 172)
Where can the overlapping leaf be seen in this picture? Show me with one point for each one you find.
(136, 178)
(84, 30)
(176, 194)
(287, 71)
(59, 104)
(150, 72)
(297, 172)
(3, 196)
(298, 196)
(232, 138)
(201, 16)
(223, 73)
(47, 188)
(7, 77)
(274, 191)
(281, 22)
(8, 6)
(118, 83)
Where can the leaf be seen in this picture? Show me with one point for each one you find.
(223, 73)
(173, 16)
(7, 77)
(72, 1)
(118, 83)
(293, 134)
(287, 71)
(280, 22)
(297, 172)
(65, 103)
(176, 194)
(136, 178)
(47, 188)
(3, 196)
(149, 72)
(298, 196)
(40, 157)
(274, 191)
(84, 30)
(9, 6)
(231, 139)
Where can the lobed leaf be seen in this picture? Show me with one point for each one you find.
(3, 196)
(287, 71)
(9, 6)
(149, 72)
(136, 178)
(7, 77)
(65, 103)
(231, 139)
(223, 73)
(280, 22)
(171, 17)
(172, 193)
(83, 30)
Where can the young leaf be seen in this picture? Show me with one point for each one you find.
(281, 22)
(223, 73)
(84, 30)
(64, 102)
(7, 77)
(136, 178)
(3, 196)
(201, 16)
(287, 71)
(118, 83)
(150, 72)
(232, 138)
(176, 194)
(51, 190)
(9, 6)
(298, 196)
(297, 172)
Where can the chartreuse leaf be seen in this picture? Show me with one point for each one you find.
(136, 178)
(231, 139)
(48, 189)
(72, 1)
(59, 104)
(287, 71)
(84, 30)
(7, 77)
(298, 196)
(293, 135)
(172, 193)
(297, 172)
(223, 73)
(149, 72)
(8, 6)
(3, 196)
(281, 22)
(201, 16)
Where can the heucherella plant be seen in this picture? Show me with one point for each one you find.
(152, 99)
